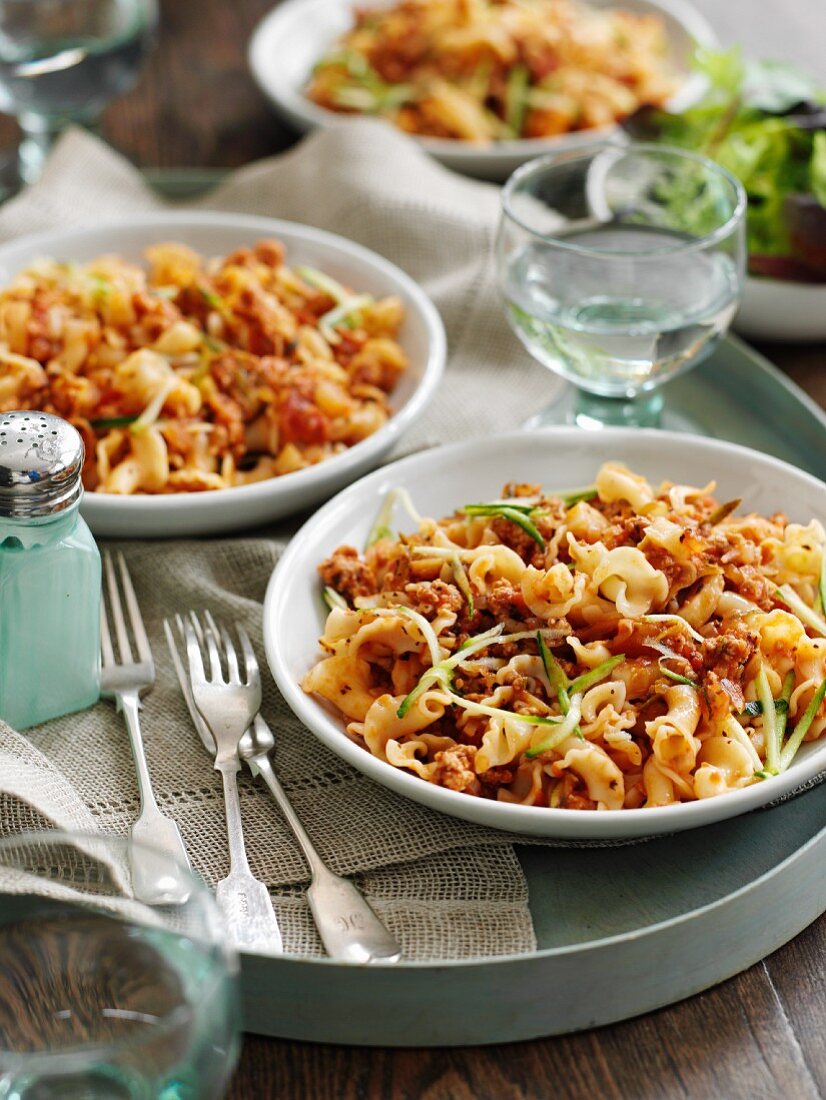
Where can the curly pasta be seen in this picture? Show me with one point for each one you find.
(198, 374)
(480, 72)
(615, 648)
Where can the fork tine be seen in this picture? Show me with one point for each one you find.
(211, 639)
(132, 606)
(250, 661)
(116, 611)
(232, 657)
(196, 623)
(211, 624)
(222, 636)
(193, 652)
(173, 649)
(106, 651)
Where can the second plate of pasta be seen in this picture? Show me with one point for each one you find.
(224, 370)
(565, 634)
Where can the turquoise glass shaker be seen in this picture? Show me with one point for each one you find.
(49, 574)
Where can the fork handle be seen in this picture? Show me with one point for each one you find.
(243, 899)
(129, 703)
(158, 860)
(348, 926)
(238, 863)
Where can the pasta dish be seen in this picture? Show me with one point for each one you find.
(488, 70)
(615, 647)
(198, 374)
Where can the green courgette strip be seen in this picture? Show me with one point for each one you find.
(569, 724)
(677, 620)
(781, 706)
(575, 496)
(382, 528)
(676, 676)
(106, 422)
(333, 599)
(507, 511)
(821, 584)
(789, 597)
(462, 583)
(769, 721)
(557, 678)
(588, 679)
(801, 729)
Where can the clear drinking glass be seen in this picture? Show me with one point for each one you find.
(101, 996)
(621, 266)
(62, 61)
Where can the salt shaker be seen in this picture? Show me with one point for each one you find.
(49, 573)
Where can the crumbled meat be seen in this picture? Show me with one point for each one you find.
(345, 572)
(626, 531)
(504, 602)
(751, 584)
(454, 769)
(432, 598)
(521, 489)
(728, 654)
(497, 777)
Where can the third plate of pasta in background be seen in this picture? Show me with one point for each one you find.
(626, 638)
(484, 87)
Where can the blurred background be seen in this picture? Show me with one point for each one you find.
(195, 103)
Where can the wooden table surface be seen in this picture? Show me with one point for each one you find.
(757, 1036)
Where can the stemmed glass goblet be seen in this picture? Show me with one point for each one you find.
(61, 62)
(101, 996)
(621, 266)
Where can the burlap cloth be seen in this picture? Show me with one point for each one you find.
(448, 889)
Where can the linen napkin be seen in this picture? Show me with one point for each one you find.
(447, 888)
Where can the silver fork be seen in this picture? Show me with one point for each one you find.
(228, 705)
(156, 880)
(348, 927)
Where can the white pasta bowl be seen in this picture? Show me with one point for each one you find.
(215, 234)
(441, 480)
(293, 37)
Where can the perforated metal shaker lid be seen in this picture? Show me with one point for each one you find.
(41, 457)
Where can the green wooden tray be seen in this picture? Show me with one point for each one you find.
(620, 931)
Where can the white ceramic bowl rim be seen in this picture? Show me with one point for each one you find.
(595, 824)
(133, 506)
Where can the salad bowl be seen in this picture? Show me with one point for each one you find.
(764, 121)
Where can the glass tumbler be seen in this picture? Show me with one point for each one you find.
(620, 266)
(103, 997)
(62, 61)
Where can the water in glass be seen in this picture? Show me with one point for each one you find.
(68, 60)
(614, 335)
